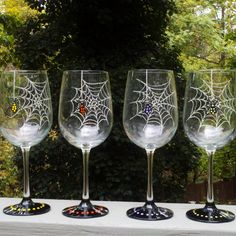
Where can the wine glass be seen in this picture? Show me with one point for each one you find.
(150, 119)
(210, 122)
(85, 120)
(26, 117)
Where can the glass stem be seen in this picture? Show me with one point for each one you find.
(85, 194)
(150, 154)
(210, 193)
(25, 153)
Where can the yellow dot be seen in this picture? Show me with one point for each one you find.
(29, 209)
(23, 209)
(33, 209)
(38, 208)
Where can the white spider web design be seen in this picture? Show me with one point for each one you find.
(33, 102)
(90, 104)
(213, 102)
(155, 103)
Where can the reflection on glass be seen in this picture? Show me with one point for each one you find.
(26, 118)
(85, 119)
(150, 119)
(210, 122)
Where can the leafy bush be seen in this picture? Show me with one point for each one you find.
(9, 184)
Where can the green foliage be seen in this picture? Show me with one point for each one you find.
(6, 40)
(9, 185)
(13, 14)
(203, 31)
(224, 165)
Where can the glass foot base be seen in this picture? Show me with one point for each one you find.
(85, 210)
(149, 212)
(27, 208)
(210, 214)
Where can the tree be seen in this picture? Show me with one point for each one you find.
(113, 36)
(203, 30)
(13, 14)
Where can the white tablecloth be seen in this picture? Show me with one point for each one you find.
(116, 223)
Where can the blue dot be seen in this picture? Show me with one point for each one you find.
(148, 109)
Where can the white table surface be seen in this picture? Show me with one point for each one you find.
(116, 223)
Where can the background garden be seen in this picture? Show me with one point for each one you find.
(116, 36)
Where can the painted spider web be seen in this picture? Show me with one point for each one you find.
(213, 102)
(33, 100)
(155, 103)
(90, 104)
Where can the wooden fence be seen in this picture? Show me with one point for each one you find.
(224, 191)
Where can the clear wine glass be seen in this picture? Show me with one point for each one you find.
(26, 117)
(210, 122)
(150, 119)
(85, 120)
